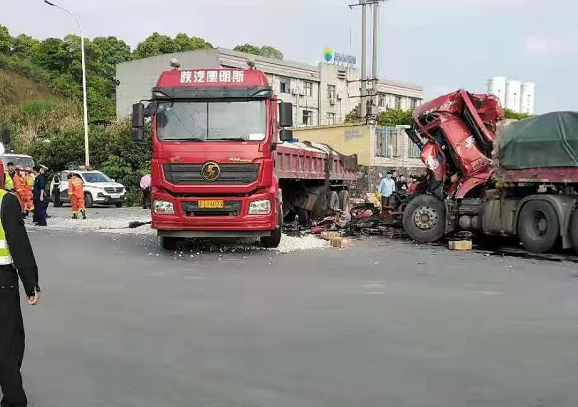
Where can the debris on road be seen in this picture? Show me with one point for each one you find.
(461, 245)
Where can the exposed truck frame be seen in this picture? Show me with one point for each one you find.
(467, 190)
(224, 164)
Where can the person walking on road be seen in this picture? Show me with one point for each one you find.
(386, 188)
(16, 259)
(145, 186)
(76, 195)
(38, 195)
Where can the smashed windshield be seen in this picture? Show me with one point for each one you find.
(209, 121)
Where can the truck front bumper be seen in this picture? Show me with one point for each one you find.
(233, 220)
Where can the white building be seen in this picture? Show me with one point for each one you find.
(497, 86)
(321, 95)
(514, 95)
(527, 99)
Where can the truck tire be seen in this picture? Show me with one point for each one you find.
(538, 226)
(344, 203)
(169, 243)
(88, 200)
(424, 218)
(574, 230)
(271, 242)
(334, 201)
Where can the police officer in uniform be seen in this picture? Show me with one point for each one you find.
(16, 259)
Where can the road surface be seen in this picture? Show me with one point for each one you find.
(384, 323)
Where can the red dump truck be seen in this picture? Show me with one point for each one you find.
(521, 180)
(224, 163)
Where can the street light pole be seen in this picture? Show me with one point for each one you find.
(84, 103)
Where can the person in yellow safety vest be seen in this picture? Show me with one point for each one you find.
(16, 260)
(8, 176)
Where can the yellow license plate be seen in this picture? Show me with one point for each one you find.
(212, 204)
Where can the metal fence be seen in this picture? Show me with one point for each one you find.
(389, 141)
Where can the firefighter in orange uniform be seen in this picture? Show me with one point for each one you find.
(29, 180)
(76, 195)
(20, 188)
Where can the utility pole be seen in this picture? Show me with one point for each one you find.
(374, 73)
(363, 93)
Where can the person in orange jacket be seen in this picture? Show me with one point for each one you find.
(76, 195)
(29, 180)
(20, 188)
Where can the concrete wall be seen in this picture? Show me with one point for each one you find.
(136, 78)
(348, 140)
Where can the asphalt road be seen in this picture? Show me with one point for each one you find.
(385, 323)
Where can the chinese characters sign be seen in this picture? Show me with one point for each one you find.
(220, 76)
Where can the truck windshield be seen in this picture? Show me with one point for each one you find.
(212, 121)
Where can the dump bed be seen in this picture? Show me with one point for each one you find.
(309, 161)
(540, 149)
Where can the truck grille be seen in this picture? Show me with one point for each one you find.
(190, 174)
(230, 208)
(113, 190)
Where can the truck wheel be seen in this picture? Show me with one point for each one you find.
(169, 243)
(344, 203)
(538, 226)
(273, 241)
(574, 230)
(88, 200)
(424, 218)
(334, 201)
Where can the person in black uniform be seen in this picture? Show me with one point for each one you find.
(16, 259)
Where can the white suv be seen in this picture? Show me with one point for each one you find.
(98, 189)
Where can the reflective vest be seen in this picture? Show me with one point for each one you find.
(8, 182)
(5, 257)
(30, 180)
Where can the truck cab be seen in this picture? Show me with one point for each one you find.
(214, 132)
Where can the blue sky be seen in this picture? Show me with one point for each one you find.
(439, 44)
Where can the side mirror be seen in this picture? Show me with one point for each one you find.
(285, 114)
(138, 134)
(138, 115)
(286, 135)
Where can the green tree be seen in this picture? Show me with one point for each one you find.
(353, 116)
(155, 44)
(510, 114)
(52, 54)
(5, 40)
(395, 117)
(113, 51)
(183, 43)
(23, 46)
(270, 52)
(265, 51)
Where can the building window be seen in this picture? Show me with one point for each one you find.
(414, 151)
(381, 101)
(331, 91)
(284, 85)
(307, 117)
(308, 88)
(330, 118)
(413, 103)
(388, 141)
(398, 102)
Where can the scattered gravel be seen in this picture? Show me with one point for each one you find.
(119, 225)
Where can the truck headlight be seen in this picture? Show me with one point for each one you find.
(164, 208)
(260, 207)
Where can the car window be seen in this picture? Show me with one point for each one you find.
(63, 176)
(95, 177)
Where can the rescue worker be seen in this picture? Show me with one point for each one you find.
(76, 195)
(38, 195)
(8, 181)
(29, 183)
(16, 260)
(20, 188)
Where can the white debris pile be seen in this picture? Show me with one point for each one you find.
(307, 242)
